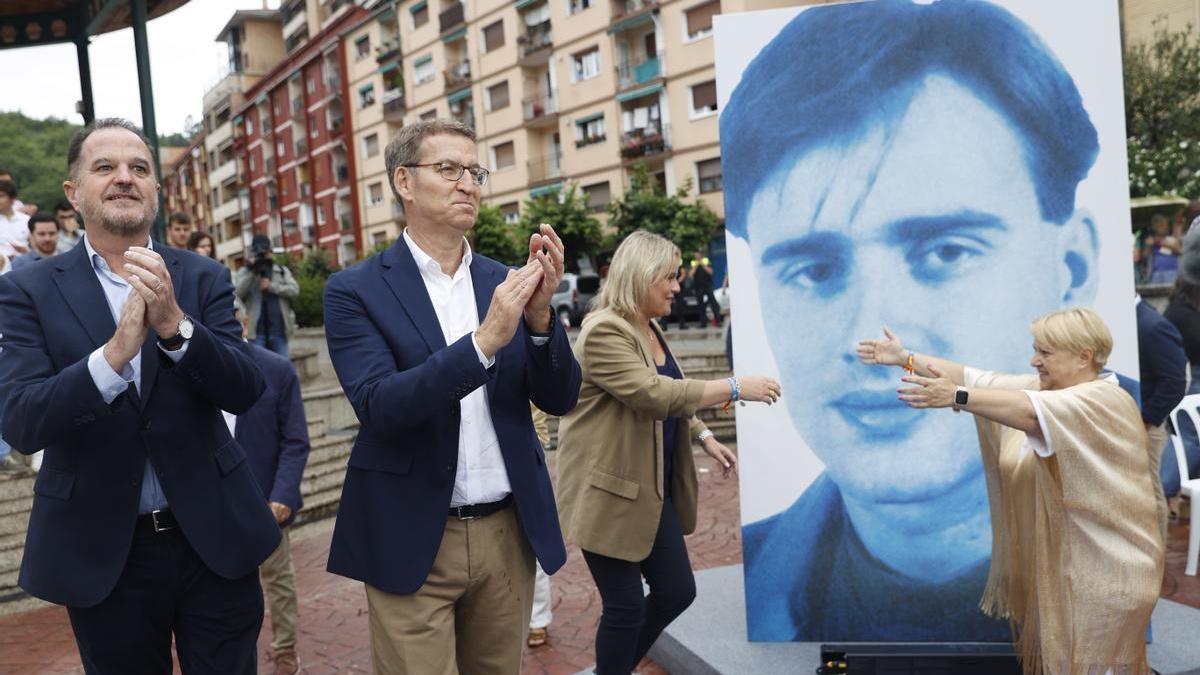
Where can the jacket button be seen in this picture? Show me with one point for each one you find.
(146, 425)
(449, 467)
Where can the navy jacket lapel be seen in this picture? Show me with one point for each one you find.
(150, 353)
(400, 273)
(76, 280)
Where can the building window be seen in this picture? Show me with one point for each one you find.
(374, 194)
(311, 85)
(503, 156)
(249, 126)
(493, 36)
(423, 69)
(420, 14)
(279, 149)
(512, 213)
(320, 214)
(709, 172)
(366, 96)
(252, 164)
(429, 115)
(362, 48)
(704, 99)
(577, 6)
(598, 196)
(589, 130)
(585, 65)
(497, 96)
(371, 145)
(699, 20)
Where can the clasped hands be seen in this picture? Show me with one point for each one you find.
(526, 292)
(928, 392)
(150, 306)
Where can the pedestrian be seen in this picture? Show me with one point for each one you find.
(267, 289)
(440, 350)
(146, 520)
(43, 240)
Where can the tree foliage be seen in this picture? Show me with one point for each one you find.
(1162, 115)
(497, 239)
(574, 223)
(646, 206)
(35, 151)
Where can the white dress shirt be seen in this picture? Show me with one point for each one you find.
(13, 230)
(481, 476)
(111, 383)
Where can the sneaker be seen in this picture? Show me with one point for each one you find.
(286, 663)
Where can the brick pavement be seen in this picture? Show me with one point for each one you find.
(333, 620)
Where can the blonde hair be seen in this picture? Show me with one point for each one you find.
(1075, 330)
(642, 259)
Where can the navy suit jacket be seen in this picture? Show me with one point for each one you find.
(1163, 364)
(405, 385)
(85, 502)
(274, 431)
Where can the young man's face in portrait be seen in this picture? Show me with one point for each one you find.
(928, 223)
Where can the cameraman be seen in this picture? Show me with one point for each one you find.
(267, 289)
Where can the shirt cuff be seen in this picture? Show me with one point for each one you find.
(108, 381)
(539, 340)
(177, 355)
(487, 363)
(1042, 447)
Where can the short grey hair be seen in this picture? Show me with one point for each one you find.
(75, 147)
(405, 148)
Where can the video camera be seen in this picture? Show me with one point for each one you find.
(262, 264)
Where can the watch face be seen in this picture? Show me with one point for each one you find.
(185, 328)
(960, 397)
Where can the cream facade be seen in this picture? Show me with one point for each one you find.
(1140, 19)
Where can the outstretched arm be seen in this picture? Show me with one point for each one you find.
(891, 352)
(1010, 407)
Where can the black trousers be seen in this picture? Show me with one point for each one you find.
(630, 622)
(165, 588)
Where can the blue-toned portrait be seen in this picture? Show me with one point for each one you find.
(916, 166)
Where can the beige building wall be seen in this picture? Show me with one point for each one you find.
(1142, 18)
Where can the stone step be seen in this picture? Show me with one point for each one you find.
(690, 361)
(316, 427)
(330, 404)
(306, 362)
(320, 505)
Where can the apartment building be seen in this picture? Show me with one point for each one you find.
(255, 47)
(293, 142)
(1140, 19)
(185, 184)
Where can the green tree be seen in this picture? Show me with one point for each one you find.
(35, 151)
(574, 223)
(646, 206)
(497, 239)
(1162, 114)
(312, 272)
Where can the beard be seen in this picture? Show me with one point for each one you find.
(124, 223)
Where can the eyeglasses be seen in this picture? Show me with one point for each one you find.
(453, 171)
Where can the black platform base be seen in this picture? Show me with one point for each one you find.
(918, 659)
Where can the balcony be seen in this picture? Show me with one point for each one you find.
(645, 142)
(393, 105)
(545, 168)
(458, 74)
(336, 125)
(634, 73)
(540, 110)
(451, 18)
(343, 173)
(301, 150)
(223, 173)
(293, 21)
(388, 49)
(345, 222)
(227, 210)
(622, 9)
(297, 104)
(535, 44)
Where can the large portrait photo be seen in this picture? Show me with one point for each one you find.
(950, 170)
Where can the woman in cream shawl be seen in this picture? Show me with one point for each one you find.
(1078, 517)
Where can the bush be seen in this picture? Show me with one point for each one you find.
(309, 305)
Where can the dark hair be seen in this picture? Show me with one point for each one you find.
(75, 147)
(43, 217)
(64, 205)
(8, 187)
(1185, 292)
(180, 217)
(834, 71)
(196, 237)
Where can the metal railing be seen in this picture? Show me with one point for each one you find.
(393, 104)
(623, 8)
(387, 49)
(449, 18)
(535, 38)
(458, 74)
(540, 106)
(632, 73)
(545, 168)
(647, 141)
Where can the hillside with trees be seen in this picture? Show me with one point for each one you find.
(35, 151)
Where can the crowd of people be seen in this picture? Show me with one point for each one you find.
(179, 465)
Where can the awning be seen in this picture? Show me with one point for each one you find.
(638, 93)
(522, 4)
(631, 22)
(422, 60)
(459, 95)
(545, 190)
(456, 35)
(419, 6)
(389, 67)
(590, 118)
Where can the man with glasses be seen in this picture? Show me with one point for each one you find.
(447, 501)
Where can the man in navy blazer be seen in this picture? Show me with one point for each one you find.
(440, 351)
(117, 358)
(274, 434)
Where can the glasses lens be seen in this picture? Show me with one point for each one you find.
(451, 172)
(481, 176)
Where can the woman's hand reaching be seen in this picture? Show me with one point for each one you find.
(886, 352)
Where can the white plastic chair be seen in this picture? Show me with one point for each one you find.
(1188, 486)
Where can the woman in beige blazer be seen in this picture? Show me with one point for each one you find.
(626, 478)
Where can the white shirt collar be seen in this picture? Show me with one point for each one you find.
(425, 262)
(93, 253)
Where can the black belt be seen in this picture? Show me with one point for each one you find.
(473, 511)
(161, 520)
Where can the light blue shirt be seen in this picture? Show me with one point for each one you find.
(111, 383)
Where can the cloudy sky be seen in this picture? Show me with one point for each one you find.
(185, 59)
